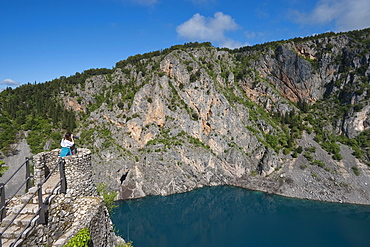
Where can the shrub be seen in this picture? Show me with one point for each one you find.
(311, 149)
(299, 149)
(358, 153)
(107, 196)
(337, 156)
(3, 168)
(303, 166)
(79, 99)
(331, 147)
(319, 163)
(355, 170)
(308, 156)
(194, 116)
(272, 141)
(81, 239)
(193, 78)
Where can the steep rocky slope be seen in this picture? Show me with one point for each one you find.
(288, 117)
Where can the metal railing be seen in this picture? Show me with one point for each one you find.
(27, 182)
(43, 204)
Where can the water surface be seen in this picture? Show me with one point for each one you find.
(230, 216)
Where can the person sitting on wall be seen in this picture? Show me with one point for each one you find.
(67, 144)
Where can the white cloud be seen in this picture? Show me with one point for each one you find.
(232, 44)
(203, 28)
(9, 82)
(345, 14)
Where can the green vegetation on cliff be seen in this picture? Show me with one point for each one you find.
(273, 82)
(81, 239)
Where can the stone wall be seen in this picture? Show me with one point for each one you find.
(43, 163)
(79, 208)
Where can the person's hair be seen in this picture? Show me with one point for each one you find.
(67, 136)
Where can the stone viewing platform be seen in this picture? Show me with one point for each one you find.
(66, 213)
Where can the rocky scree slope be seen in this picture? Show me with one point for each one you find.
(284, 117)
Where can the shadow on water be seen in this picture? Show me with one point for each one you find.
(230, 216)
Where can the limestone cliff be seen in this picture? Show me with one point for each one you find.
(198, 116)
(288, 117)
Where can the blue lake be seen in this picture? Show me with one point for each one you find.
(230, 216)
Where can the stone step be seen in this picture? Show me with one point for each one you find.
(24, 199)
(45, 191)
(24, 220)
(48, 185)
(29, 208)
(11, 233)
(7, 220)
(50, 190)
(21, 220)
(10, 218)
(35, 199)
(19, 224)
(7, 242)
(17, 244)
(13, 238)
(32, 190)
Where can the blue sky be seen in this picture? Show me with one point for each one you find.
(42, 40)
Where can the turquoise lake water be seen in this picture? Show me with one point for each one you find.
(230, 216)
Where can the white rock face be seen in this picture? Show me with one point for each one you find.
(199, 116)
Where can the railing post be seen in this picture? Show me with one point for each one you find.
(39, 194)
(28, 174)
(2, 201)
(63, 181)
(42, 207)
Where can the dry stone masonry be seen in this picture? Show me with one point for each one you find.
(79, 208)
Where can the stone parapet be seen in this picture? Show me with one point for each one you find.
(78, 172)
(81, 207)
(43, 163)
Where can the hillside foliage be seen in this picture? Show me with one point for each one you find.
(41, 111)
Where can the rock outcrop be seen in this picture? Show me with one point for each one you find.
(288, 117)
(204, 119)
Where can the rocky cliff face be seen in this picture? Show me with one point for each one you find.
(267, 117)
